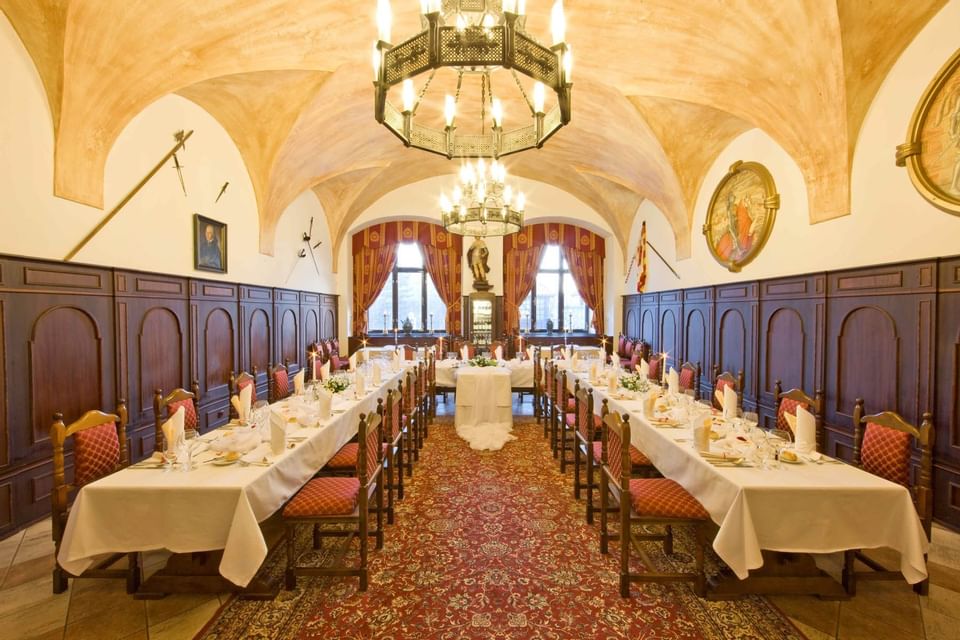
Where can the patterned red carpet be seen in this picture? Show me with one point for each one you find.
(492, 545)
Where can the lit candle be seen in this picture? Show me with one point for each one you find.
(663, 369)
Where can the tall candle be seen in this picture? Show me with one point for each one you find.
(663, 369)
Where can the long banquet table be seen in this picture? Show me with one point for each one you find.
(805, 508)
(210, 507)
(521, 373)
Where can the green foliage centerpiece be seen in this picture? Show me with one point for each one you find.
(337, 383)
(635, 382)
(480, 361)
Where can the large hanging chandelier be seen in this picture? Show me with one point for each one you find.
(473, 38)
(483, 204)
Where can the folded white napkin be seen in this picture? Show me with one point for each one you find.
(360, 384)
(806, 432)
(396, 361)
(643, 368)
(464, 353)
(173, 429)
(530, 353)
(594, 373)
(498, 353)
(246, 396)
(729, 403)
(673, 381)
(613, 383)
(566, 353)
(240, 441)
(258, 454)
(376, 374)
(298, 382)
(278, 433)
(325, 370)
(353, 362)
(324, 404)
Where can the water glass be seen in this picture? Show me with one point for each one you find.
(169, 454)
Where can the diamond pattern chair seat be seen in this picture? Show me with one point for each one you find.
(653, 373)
(324, 497)
(686, 379)
(886, 453)
(96, 453)
(637, 458)
(346, 458)
(664, 498)
(281, 383)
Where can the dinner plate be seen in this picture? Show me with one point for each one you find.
(797, 461)
(224, 462)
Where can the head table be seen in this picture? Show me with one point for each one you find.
(801, 508)
(210, 507)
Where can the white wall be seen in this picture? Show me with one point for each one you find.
(545, 203)
(889, 219)
(154, 232)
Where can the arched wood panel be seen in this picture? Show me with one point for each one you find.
(648, 326)
(732, 341)
(159, 341)
(631, 325)
(218, 348)
(695, 337)
(65, 360)
(258, 339)
(785, 342)
(311, 326)
(288, 336)
(329, 329)
(669, 338)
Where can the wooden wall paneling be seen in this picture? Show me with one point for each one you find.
(152, 338)
(649, 319)
(288, 336)
(697, 330)
(737, 316)
(879, 344)
(214, 346)
(58, 340)
(946, 471)
(791, 335)
(328, 316)
(256, 333)
(310, 319)
(631, 316)
(669, 324)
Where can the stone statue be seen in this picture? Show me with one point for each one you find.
(477, 256)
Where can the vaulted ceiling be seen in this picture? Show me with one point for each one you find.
(661, 87)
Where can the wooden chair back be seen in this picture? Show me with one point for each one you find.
(241, 380)
(655, 363)
(788, 401)
(278, 382)
(720, 380)
(585, 427)
(166, 406)
(369, 450)
(923, 436)
(690, 378)
(616, 449)
(59, 433)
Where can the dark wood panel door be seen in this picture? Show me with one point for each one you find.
(735, 349)
(214, 331)
(649, 319)
(670, 335)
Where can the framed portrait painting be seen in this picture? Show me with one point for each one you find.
(209, 244)
(741, 214)
(932, 151)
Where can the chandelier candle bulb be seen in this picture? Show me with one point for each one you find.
(521, 202)
(539, 96)
(558, 23)
(449, 110)
(384, 19)
(510, 6)
(408, 95)
(568, 65)
(375, 59)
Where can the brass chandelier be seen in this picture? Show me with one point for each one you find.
(473, 37)
(483, 203)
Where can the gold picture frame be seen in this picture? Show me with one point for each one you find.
(931, 153)
(741, 214)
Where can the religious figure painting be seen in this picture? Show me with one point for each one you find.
(932, 151)
(741, 214)
(210, 244)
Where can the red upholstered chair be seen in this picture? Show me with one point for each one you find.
(549, 379)
(538, 385)
(588, 426)
(626, 352)
(411, 414)
(240, 382)
(882, 446)
(654, 373)
(690, 379)
(99, 449)
(338, 364)
(567, 427)
(164, 407)
(340, 500)
(645, 501)
(278, 383)
(392, 414)
(725, 379)
(788, 401)
(562, 403)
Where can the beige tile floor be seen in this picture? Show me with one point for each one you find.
(102, 610)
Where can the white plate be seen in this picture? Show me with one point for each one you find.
(224, 462)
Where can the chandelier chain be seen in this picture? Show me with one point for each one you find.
(423, 91)
(523, 92)
(483, 103)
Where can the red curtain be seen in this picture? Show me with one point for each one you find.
(375, 253)
(586, 267)
(443, 260)
(371, 268)
(584, 251)
(519, 273)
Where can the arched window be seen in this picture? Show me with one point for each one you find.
(409, 294)
(554, 302)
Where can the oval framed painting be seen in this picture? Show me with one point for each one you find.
(741, 214)
(932, 151)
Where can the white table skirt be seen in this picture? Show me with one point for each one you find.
(209, 507)
(521, 373)
(806, 508)
(484, 411)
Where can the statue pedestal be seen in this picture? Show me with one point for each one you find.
(482, 285)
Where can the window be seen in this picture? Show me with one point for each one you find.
(554, 298)
(409, 294)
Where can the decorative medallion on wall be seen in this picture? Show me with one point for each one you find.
(741, 214)
(932, 151)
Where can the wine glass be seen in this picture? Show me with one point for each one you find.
(169, 454)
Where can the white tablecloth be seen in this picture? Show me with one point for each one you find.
(484, 411)
(209, 507)
(805, 508)
(521, 373)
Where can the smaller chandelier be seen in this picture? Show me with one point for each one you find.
(483, 204)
